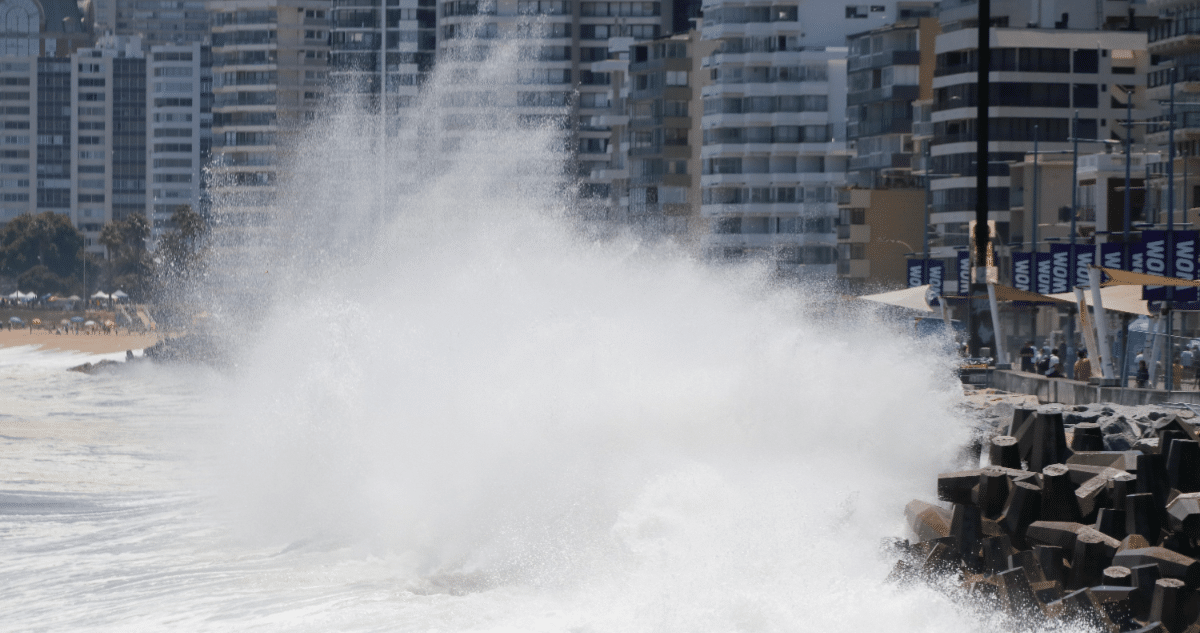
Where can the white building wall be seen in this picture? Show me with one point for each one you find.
(175, 126)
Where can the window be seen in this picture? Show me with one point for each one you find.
(1086, 96)
(677, 78)
(1087, 60)
(593, 145)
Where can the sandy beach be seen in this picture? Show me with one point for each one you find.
(86, 343)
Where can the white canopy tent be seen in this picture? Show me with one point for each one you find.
(911, 298)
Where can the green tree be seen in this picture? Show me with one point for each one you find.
(130, 267)
(181, 252)
(47, 242)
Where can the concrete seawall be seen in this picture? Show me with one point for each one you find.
(1071, 392)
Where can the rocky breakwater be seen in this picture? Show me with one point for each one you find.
(198, 347)
(1089, 516)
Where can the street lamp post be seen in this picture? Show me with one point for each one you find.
(1125, 239)
(1033, 309)
(1169, 304)
(978, 288)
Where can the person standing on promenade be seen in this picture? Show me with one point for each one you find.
(1027, 354)
(1043, 360)
(1185, 359)
(1083, 367)
(1055, 365)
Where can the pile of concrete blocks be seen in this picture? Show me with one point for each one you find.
(1058, 529)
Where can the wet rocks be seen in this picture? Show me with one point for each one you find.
(1061, 529)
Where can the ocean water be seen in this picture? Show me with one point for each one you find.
(459, 411)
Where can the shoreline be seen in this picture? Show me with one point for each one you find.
(81, 343)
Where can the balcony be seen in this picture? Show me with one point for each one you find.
(881, 161)
(886, 93)
(859, 129)
(885, 58)
(1174, 37)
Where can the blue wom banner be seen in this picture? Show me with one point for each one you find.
(1111, 255)
(1085, 256)
(1060, 268)
(916, 272)
(1041, 273)
(1171, 255)
(1022, 271)
(1183, 265)
(937, 274)
(1155, 261)
(964, 273)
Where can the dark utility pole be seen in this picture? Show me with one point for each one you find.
(979, 302)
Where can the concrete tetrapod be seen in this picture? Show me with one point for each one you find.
(1104, 537)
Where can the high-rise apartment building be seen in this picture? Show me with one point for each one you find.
(884, 77)
(75, 135)
(1175, 44)
(775, 135)
(179, 103)
(270, 72)
(565, 46)
(882, 217)
(661, 136)
(409, 39)
(49, 28)
(155, 21)
(1040, 79)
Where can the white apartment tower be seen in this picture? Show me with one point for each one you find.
(179, 122)
(774, 146)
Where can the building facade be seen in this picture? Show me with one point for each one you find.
(775, 144)
(270, 74)
(75, 135)
(48, 28)
(663, 108)
(565, 72)
(155, 21)
(179, 130)
(1041, 79)
(408, 36)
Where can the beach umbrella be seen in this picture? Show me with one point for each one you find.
(120, 294)
(89, 324)
(74, 298)
(37, 321)
(77, 319)
(100, 295)
(15, 320)
(65, 322)
(109, 323)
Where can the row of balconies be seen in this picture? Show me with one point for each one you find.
(881, 161)
(885, 58)
(884, 93)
